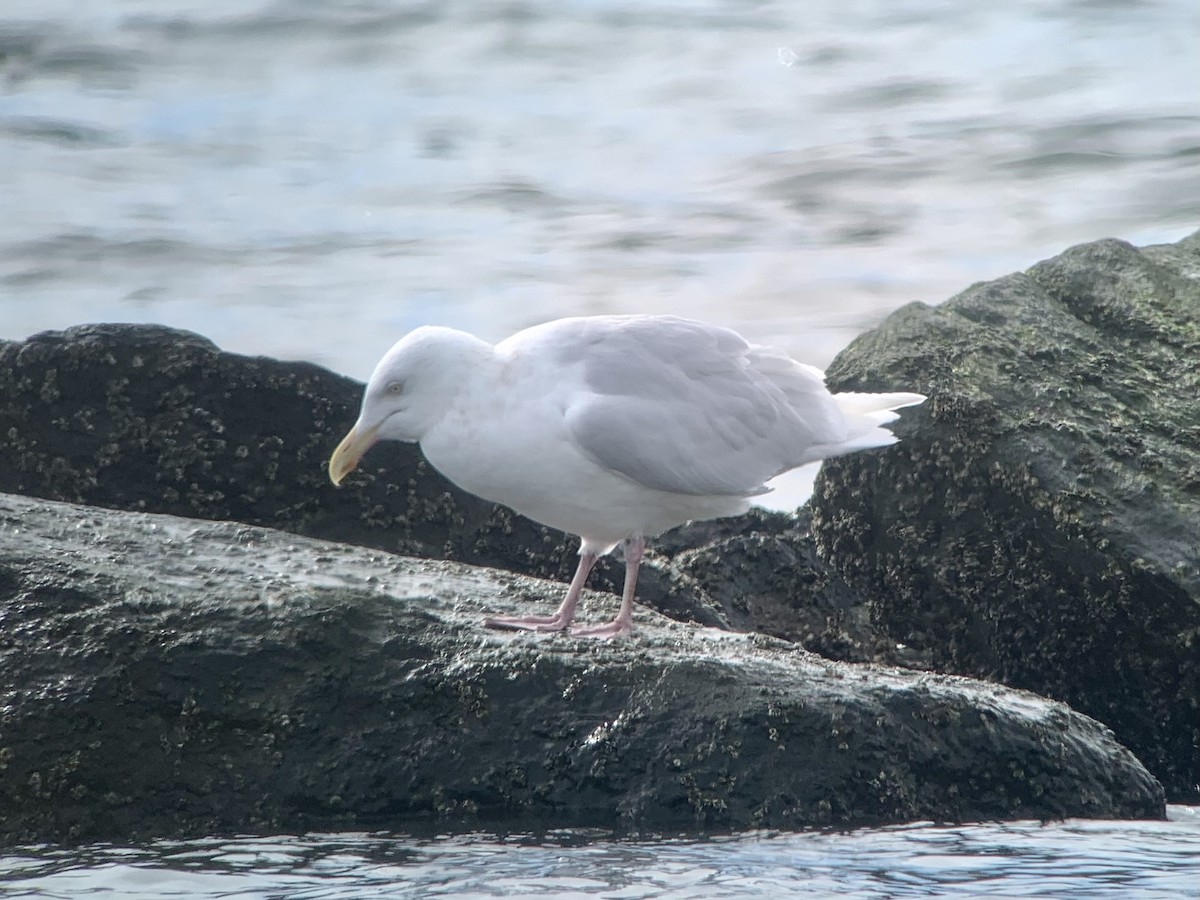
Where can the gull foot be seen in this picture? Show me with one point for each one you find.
(526, 623)
(614, 629)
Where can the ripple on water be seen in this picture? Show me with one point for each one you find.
(1078, 859)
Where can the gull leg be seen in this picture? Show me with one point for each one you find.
(565, 613)
(623, 623)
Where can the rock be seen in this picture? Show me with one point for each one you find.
(142, 417)
(763, 572)
(167, 677)
(1037, 525)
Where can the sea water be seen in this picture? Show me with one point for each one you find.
(1074, 859)
(310, 179)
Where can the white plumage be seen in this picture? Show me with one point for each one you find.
(613, 428)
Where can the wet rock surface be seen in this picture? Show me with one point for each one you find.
(142, 417)
(1038, 523)
(171, 677)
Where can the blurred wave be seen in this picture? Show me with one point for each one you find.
(310, 179)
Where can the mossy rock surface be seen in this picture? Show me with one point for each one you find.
(166, 677)
(1039, 524)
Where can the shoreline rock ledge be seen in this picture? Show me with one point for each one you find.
(169, 677)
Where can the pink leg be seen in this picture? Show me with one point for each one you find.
(623, 623)
(566, 612)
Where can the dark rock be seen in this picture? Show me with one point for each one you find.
(148, 418)
(763, 571)
(166, 677)
(1038, 523)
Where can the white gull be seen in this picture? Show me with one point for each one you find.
(612, 428)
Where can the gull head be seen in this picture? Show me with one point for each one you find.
(410, 391)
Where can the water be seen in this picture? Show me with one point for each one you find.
(309, 179)
(1077, 859)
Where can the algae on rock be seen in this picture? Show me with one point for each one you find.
(1037, 524)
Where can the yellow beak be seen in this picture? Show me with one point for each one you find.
(348, 453)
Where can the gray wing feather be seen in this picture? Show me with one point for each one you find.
(691, 408)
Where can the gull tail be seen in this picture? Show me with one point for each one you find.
(866, 414)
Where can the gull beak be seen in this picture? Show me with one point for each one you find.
(345, 458)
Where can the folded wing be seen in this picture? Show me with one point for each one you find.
(691, 408)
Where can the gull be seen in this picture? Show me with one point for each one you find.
(611, 428)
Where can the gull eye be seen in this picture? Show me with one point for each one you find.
(395, 388)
